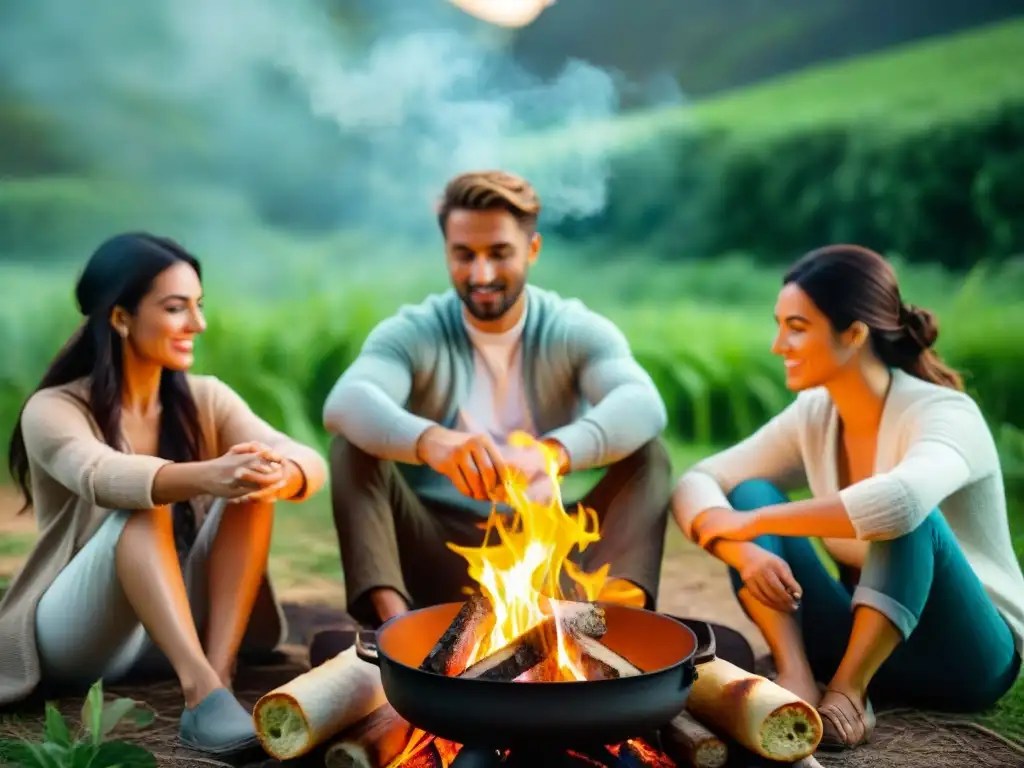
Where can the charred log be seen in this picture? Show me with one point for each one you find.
(428, 757)
(452, 652)
(535, 646)
(599, 662)
(548, 671)
(373, 742)
(519, 656)
(580, 619)
(689, 742)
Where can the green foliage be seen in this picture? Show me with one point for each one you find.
(704, 334)
(90, 748)
(950, 193)
(943, 79)
(710, 47)
(918, 152)
(51, 218)
(913, 85)
(29, 143)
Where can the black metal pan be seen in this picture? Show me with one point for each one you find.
(540, 715)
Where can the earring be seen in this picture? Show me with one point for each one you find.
(123, 331)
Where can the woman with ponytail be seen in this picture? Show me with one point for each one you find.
(154, 492)
(906, 495)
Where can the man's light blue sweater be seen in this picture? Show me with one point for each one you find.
(583, 385)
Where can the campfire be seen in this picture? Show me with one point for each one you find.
(533, 670)
(529, 586)
(562, 645)
(534, 618)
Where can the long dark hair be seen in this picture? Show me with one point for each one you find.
(119, 274)
(850, 283)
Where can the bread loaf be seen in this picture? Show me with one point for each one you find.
(296, 717)
(762, 716)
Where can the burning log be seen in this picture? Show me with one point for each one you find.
(373, 742)
(428, 757)
(468, 629)
(548, 671)
(689, 742)
(759, 714)
(599, 662)
(294, 718)
(637, 753)
(475, 620)
(535, 646)
(518, 657)
(580, 619)
(594, 660)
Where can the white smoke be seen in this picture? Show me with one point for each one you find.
(315, 123)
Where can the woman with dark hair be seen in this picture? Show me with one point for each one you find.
(907, 496)
(154, 494)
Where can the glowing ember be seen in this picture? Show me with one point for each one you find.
(635, 753)
(644, 754)
(523, 572)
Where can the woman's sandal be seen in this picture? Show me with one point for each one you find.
(837, 720)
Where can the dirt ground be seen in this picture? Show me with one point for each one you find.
(693, 584)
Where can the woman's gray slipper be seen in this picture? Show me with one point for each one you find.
(218, 725)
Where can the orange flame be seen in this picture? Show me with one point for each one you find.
(524, 570)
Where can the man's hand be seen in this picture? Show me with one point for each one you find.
(531, 464)
(472, 462)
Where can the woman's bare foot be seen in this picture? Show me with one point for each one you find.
(847, 719)
(803, 685)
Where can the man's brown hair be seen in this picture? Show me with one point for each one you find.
(490, 190)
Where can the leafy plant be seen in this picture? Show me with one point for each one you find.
(89, 747)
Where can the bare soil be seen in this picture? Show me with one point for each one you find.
(693, 584)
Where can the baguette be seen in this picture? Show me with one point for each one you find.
(759, 714)
(303, 713)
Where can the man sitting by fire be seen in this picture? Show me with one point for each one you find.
(423, 417)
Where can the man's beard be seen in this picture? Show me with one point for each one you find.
(505, 295)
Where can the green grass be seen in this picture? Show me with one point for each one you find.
(905, 87)
(914, 84)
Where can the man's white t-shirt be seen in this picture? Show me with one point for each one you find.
(497, 403)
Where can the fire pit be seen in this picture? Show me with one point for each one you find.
(537, 667)
(590, 684)
(532, 663)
